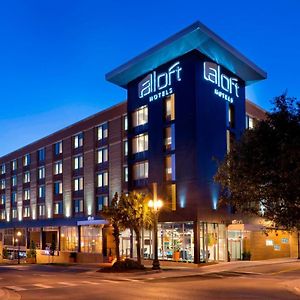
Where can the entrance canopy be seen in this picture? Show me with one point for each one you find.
(195, 37)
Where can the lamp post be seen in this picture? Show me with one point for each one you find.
(19, 234)
(156, 205)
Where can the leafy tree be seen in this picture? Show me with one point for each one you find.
(136, 215)
(32, 250)
(261, 174)
(114, 214)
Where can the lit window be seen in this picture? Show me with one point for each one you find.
(41, 173)
(58, 148)
(170, 137)
(2, 184)
(269, 243)
(78, 206)
(284, 240)
(78, 184)
(58, 188)
(170, 107)
(78, 140)
(126, 174)
(14, 165)
(2, 169)
(170, 167)
(26, 212)
(78, 162)
(102, 201)
(102, 131)
(58, 208)
(249, 122)
(140, 170)
(58, 167)
(26, 178)
(26, 160)
(231, 115)
(102, 155)
(14, 213)
(2, 214)
(140, 116)
(41, 191)
(27, 194)
(14, 181)
(102, 179)
(125, 148)
(42, 210)
(140, 143)
(41, 154)
(2, 199)
(125, 122)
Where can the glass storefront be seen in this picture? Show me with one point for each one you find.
(69, 239)
(91, 238)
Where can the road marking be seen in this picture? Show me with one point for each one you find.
(90, 282)
(67, 283)
(151, 278)
(43, 286)
(111, 281)
(15, 288)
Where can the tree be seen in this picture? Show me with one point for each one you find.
(261, 174)
(114, 214)
(136, 215)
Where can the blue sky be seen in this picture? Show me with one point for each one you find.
(54, 54)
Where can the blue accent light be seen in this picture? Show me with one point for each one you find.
(214, 195)
(182, 198)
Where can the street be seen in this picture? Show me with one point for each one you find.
(275, 279)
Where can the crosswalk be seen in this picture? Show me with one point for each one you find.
(63, 284)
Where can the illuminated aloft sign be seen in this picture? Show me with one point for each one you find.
(226, 87)
(159, 85)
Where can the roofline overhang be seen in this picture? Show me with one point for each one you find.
(195, 37)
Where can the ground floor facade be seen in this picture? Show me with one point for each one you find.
(194, 242)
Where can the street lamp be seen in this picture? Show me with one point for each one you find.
(19, 234)
(156, 205)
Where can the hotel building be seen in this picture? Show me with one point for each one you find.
(185, 104)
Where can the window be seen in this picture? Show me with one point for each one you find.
(58, 208)
(140, 116)
(41, 154)
(170, 137)
(269, 243)
(26, 178)
(42, 191)
(2, 199)
(284, 241)
(140, 170)
(78, 206)
(78, 162)
(78, 140)
(2, 184)
(58, 167)
(249, 122)
(229, 139)
(14, 180)
(26, 160)
(170, 107)
(170, 167)
(14, 213)
(58, 148)
(125, 148)
(42, 210)
(27, 194)
(140, 143)
(26, 212)
(14, 165)
(2, 214)
(102, 201)
(2, 169)
(125, 122)
(41, 173)
(14, 197)
(102, 155)
(102, 131)
(78, 184)
(231, 115)
(102, 179)
(58, 189)
(125, 172)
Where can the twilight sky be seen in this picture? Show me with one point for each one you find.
(54, 54)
